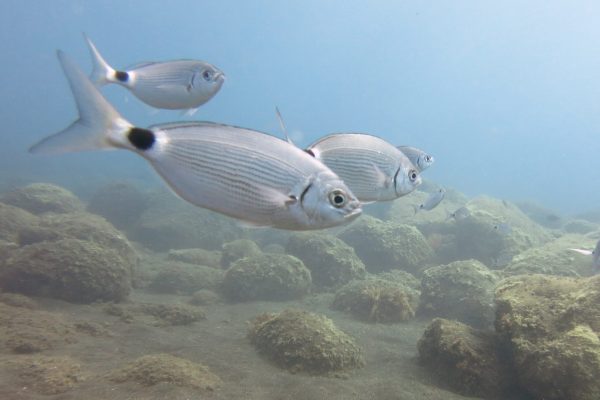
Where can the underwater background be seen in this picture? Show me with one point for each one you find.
(112, 287)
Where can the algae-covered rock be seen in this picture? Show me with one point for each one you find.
(164, 368)
(5, 249)
(17, 300)
(495, 229)
(180, 278)
(550, 326)
(237, 249)
(38, 198)
(383, 245)
(304, 342)
(122, 204)
(540, 214)
(466, 359)
(29, 331)
(204, 297)
(156, 314)
(400, 277)
(463, 290)
(170, 223)
(377, 300)
(580, 226)
(331, 261)
(47, 375)
(13, 220)
(554, 258)
(210, 258)
(267, 277)
(68, 269)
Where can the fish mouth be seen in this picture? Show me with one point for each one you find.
(220, 74)
(353, 214)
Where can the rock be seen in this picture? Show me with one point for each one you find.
(399, 277)
(266, 277)
(164, 368)
(13, 220)
(554, 258)
(69, 269)
(462, 290)
(204, 297)
(181, 278)
(170, 223)
(122, 204)
(466, 359)
(580, 226)
(237, 249)
(479, 237)
(38, 198)
(18, 300)
(331, 261)
(5, 249)
(377, 300)
(304, 342)
(47, 375)
(540, 214)
(210, 258)
(383, 246)
(160, 314)
(29, 331)
(550, 325)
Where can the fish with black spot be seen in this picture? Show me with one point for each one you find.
(248, 175)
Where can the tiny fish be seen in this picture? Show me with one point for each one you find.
(418, 157)
(460, 214)
(432, 201)
(503, 228)
(245, 174)
(595, 256)
(173, 85)
(373, 169)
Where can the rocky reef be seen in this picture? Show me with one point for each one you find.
(39, 198)
(121, 203)
(304, 342)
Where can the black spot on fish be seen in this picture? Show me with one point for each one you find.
(122, 76)
(309, 151)
(141, 139)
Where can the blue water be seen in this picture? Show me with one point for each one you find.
(504, 94)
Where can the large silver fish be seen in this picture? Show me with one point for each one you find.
(418, 157)
(173, 85)
(374, 169)
(242, 173)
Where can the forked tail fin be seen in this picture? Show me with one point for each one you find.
(102, 72)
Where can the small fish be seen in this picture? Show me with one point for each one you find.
(460, 214)
(418, 157)
(432, 201)
(173, 85)
(374, 169)
(245, 174)
(595, 256)
(503, 228)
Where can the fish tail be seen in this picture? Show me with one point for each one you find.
(99, 126)
(102, 72)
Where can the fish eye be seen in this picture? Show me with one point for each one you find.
(207, 75)
(428, 158)
(338, 198)
(413, 175)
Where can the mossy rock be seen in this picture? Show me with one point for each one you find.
(377, 300)
(266, 277)
(69, 269)
(550, 326)
(210, 258)
(466, 359)
(554, 258)
(383, 245)
(463, 290)
(182, 278)
(121, 203)
(240, 248)
(331, 261)
(204, 297)
(13, 220)
(304, 342)
(156, 314)
(153, 369)
(47, 375)
(38, 198)
(542, 215)
(580, 226)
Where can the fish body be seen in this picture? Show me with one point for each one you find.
(173, 85)
(432, 201)
(372, 168)
(504, 228)
(242, 173)
(460, 214)
(418, 157)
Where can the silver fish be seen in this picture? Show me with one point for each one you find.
(418, 157)
(460, 214)
(173, 85)
(504, 228)
(595, 256)
(432, 201)
(374, 169)
(242, 173)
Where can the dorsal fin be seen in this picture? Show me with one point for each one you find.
(283, 127)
